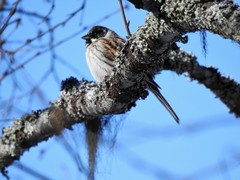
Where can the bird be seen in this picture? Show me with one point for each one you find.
(103, 45)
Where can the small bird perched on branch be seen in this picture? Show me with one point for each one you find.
(103, 46)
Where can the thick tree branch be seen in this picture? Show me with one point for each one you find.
(225, 88)
(219, 17)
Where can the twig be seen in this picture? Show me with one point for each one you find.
(124, 18)
(11, 13)
(27, 13)
(83, 12)
(51, 29)
(30, 171)
(46, 17)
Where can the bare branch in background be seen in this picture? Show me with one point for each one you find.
(11, 13)
(126, 23)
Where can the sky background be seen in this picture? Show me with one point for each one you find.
(149, 144)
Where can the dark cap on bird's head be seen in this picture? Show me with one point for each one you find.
(95, 33)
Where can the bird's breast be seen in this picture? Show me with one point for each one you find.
(98, 63)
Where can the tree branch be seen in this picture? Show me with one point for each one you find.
(221, 18)
(225, 88)
(11, 13)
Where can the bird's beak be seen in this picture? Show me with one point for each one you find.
(86, 37)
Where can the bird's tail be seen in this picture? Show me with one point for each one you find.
(154, 88)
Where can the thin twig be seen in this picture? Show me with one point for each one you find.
(124, 18)
(51, 29)
(11, 13)
(30, 171)
(46, 17)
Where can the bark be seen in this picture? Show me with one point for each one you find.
(151, 49)
(219, 17)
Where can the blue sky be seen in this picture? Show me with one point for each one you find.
(150, 145)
